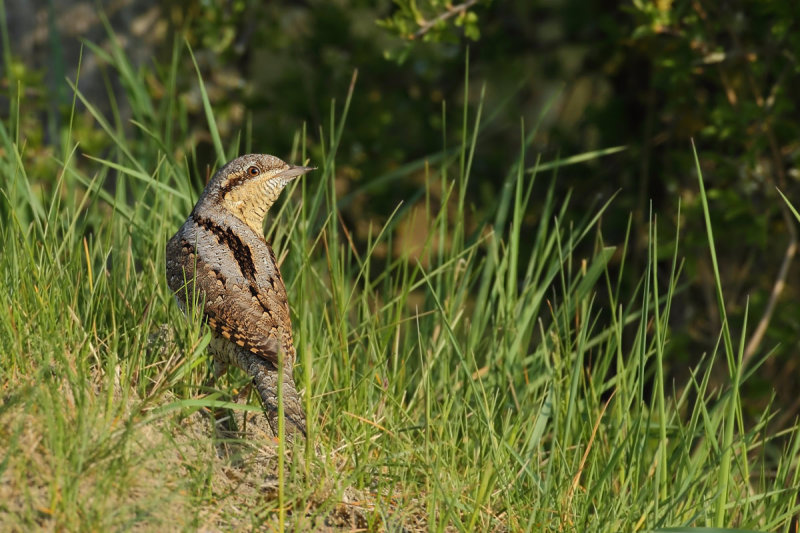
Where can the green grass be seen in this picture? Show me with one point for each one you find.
(474, 383)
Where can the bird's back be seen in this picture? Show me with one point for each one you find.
(217, 261)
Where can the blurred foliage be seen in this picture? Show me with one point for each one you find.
(725, 74)
(432, 21)
(647, 74)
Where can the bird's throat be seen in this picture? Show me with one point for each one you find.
(251, 201)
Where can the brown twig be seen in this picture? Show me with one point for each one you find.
(791, 249)
(777, 289)
(451, 12)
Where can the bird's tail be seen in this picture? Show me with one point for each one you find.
(265, 378)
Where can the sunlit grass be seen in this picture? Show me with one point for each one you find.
(487, 380)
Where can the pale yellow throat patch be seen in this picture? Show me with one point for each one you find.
(250, 201)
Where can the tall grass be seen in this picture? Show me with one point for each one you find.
(491, 379)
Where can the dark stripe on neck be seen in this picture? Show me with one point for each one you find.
(231, 184)
(226, 236)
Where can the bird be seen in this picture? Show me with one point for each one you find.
(220, 261)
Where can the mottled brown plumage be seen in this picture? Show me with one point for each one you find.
(219, 259)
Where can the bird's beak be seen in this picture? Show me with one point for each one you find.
(293, 171)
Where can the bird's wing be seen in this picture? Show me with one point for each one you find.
(232, 306)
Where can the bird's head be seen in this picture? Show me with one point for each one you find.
(249, 185)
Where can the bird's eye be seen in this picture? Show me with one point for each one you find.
(253, 171)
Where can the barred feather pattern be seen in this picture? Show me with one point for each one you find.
(220, 260)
